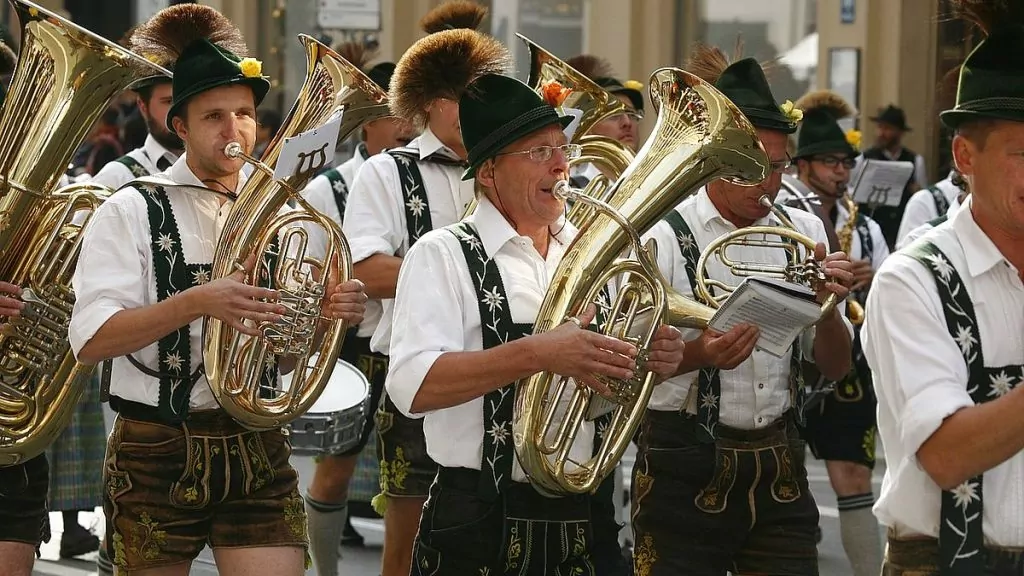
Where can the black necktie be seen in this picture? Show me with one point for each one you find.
(162, 164)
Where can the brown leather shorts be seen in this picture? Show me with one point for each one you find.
(171, 490)
(23, 515)
(405, 468)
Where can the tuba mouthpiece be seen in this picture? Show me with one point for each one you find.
(564, 190)
(233, 150)
(764, 201)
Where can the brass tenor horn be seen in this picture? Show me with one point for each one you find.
(65, 78)
(235, 364)
(800, 266)
(700, 136)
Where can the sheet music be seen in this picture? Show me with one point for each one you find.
(781, 317)
(881, 182)
(309, 151)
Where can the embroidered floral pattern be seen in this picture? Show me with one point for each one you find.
(417, 208)
(394, 473)
(147, 538)
(644, 556)
(295, 515)
(515, 549)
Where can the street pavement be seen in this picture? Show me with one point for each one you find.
(366, 561)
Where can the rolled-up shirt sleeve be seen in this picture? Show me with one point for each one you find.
(918, 370)
(111, 273)
(371, 220)
(429, 316)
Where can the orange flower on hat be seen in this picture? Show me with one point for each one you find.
(554, 93)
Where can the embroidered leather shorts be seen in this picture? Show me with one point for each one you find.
(171, 490)
(843, 425)
(742, 504)
(23, 514)
(405, 468)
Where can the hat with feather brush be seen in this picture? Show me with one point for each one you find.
(743, 81)
(446, 61)
(991, 84)
(204, 50)
(820, 132)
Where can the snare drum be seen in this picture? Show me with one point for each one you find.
(334, 423)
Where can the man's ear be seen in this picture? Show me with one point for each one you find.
(178, 126)
(963, 155)
(485, 174)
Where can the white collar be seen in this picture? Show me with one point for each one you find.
(495, 231)
(180, 173)
(707, 212)
(155, 151)
(981, 253)
(428, 143)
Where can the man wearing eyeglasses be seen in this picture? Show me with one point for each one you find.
(623, 127)
(467, 297)
(720, 482)
(841, 427)
(396, 198)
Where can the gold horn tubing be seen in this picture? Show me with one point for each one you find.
(699, 136)
(854, 309)
(332, 86)
(64, 79)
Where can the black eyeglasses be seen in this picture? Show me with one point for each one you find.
(833, 161)
(543, 153)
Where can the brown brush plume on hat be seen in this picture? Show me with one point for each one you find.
(453, 15)
(8, 59)
(356, 53)
(591, 66)
(990, 14)
(442, 65)
(708, 62)
(826, 100)
(167, 34)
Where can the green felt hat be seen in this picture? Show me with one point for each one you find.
(630, 90)
(820, 132)
(497, 110)
(991, 80)
(745, 84)
(204, 65)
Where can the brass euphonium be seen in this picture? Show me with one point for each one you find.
(235, 363)
(800, 267)
(700, 136)
(65, 78)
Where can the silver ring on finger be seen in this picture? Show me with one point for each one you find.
(575, 321)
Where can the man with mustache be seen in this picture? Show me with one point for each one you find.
(841, 428)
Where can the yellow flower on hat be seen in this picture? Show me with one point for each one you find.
(634, 85)
(251, 67)
(853, 138)
(791, 112)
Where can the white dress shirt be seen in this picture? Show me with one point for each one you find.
(755, 393)
(115, 273)
(438, 310)
(375, 213)
(116, 174)
(921, 207)
(924, 228)
(921, 378)
(320, 194)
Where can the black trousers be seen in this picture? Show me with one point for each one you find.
(521, 532)
(741, 505)
(23, 513)
(920, 557)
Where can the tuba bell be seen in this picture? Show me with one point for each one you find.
(699, 136)
(236, 365)
(65, 78)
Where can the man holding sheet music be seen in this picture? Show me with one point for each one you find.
(720, 482)
(943, 338)
(841, 427)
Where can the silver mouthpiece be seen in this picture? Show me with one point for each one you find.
(563, 190)
(765, 201)
(233, 150)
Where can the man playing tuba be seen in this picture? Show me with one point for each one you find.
(841, 428)
(396, 198)
(466, 340)
(725, 426)
(180, 473)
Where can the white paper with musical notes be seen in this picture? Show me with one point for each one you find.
(881, 182)
(781, 311)
(308, 151)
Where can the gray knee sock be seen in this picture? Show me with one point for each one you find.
(860, 533)
(326, 524)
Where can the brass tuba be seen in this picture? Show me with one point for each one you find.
(65, 78)
(700, 136)
(235, 363)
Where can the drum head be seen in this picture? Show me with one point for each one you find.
(346, 389)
